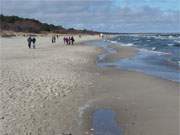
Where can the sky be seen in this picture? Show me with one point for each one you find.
(101, 15)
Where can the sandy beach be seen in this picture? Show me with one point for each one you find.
(54, 89)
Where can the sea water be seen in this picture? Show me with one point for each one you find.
(159, 54)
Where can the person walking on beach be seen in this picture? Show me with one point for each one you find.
(69, 41)
(53, 39)
(72, 40)
(64, 40)
(34, 41)
(29, 41)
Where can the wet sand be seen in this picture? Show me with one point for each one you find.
(120, 53)
(55, 89)
(144, 104)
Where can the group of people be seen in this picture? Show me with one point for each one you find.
(69, 40)
(31, 40)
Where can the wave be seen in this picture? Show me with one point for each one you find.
(120, 43)
(128, 44)
(170, 37)
(177, 43)
(148, 40)
(154, 48)
(114, 42)
(171, 44)
(153, 51)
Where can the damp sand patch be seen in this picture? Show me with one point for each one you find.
(104, 123)
(99, 120)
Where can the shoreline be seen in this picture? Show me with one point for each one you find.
(106, 103)
(44, 91)
(114, 54)
(133, 52)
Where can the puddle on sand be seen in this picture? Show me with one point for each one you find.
(104, 123)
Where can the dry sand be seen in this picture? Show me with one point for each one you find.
(54, 89)
(39, 86)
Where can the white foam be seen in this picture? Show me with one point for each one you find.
(179, 63)
(114, 42)
(159, 37)
(170, 44)
(122, 44)
(156, 52)
(170, 37)
(177, 41)
(154, 48)
(129, 44)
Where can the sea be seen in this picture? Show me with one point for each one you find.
(158, 55)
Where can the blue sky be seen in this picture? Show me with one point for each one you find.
(101, 15)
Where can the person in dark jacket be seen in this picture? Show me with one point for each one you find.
(34, 42)
(69, 40)
(29, 41)
(64, 40)
(72, 40)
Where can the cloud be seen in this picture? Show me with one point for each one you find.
(102, 15)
